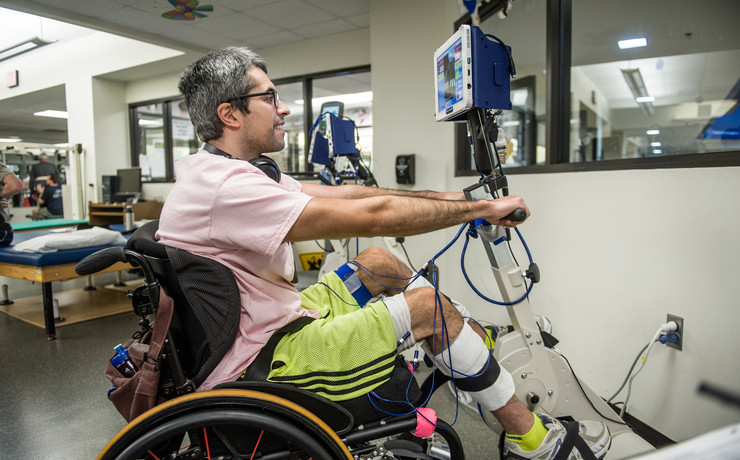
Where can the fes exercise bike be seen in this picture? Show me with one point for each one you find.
(472, 76)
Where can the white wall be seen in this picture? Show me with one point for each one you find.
(618, 250)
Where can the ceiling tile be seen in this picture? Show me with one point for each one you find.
(290, 14)
(342, 8)
(324, 28)
(274, 39)
(237, 26)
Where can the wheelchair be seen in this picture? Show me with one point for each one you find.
(245, 419)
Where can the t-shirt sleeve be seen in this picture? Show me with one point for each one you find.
(254, 212)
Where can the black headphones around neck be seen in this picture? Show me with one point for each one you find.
(265, 164)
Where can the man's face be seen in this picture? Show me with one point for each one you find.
(263, 126)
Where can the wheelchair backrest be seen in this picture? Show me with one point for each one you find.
(206, 299)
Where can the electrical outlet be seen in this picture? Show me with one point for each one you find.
(679, 332)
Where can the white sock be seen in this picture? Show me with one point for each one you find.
(469, 356)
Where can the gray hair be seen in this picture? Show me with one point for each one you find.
(219, 76)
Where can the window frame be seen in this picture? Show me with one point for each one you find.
(308, 115)
(308, 119)
(558, 111)
(135, 131)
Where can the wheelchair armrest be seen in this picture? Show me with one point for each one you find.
(339, 419)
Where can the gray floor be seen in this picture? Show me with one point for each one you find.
(53, 401)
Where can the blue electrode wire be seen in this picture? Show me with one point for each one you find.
(472, 232)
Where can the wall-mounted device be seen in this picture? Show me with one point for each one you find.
(405, 166)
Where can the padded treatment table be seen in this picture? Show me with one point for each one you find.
(47, 267)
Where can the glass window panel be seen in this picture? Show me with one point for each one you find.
(293, 157)
(151, 141)
(355, 92)
(184, 139)
(524, 31)
(690, 67)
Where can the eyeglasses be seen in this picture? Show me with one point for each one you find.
(272, 93)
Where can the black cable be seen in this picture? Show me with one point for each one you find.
(512, 67)
(407, 256)
(621, 422)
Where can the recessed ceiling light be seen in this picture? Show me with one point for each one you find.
(632, 43)
(52, 114)
(656, 144)
(653, 132)
(11, 139)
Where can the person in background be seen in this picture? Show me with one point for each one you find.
(10, 185)
(50, 199)
(39, 172)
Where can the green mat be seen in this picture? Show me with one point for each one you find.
(44, 223)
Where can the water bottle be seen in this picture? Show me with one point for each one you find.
(123, 362)
(128, 218)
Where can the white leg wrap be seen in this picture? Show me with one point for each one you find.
(401, 317)
(469, 355)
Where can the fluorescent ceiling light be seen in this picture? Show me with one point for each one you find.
(52, 114)
(632, 43)
(633, 77)
(10, 139)
(656, 144)
(23, 47)
(657, 151)
(150, 123)
(645, 99)
(653, 132)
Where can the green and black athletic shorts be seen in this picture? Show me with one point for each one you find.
(346, 353)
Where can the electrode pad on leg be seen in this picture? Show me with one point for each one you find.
(347, 273)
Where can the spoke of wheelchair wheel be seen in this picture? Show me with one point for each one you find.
(208, 449)
(226, 443)
(257, 444)
(152, 454)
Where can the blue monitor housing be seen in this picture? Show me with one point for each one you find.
(471, 71)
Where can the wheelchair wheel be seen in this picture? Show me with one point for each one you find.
(226, 424)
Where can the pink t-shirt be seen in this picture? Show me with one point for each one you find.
(230, 211)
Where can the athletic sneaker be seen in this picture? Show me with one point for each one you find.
(596, 435)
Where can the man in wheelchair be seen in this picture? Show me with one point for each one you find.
(231, 204)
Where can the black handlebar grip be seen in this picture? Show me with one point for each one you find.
(518, 215)
(100, 260)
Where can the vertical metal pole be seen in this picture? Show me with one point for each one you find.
(558, 44)
(48, 300)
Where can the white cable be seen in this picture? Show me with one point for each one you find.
(644, 359)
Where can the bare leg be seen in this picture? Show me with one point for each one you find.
(514, 417)
(386, 270)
